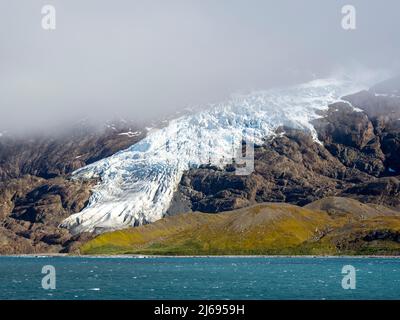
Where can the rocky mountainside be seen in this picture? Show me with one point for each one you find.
(47, 156)
(36, 192)
(312, 143)
(358, 157)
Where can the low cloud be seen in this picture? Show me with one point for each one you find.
(141, 59)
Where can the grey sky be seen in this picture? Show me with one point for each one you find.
(139, 58)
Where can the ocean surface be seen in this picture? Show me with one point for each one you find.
(199, 278)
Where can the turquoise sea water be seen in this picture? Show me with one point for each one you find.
(199, 278)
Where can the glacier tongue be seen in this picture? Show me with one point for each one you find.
(137, 184)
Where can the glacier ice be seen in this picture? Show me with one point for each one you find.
(136, 185)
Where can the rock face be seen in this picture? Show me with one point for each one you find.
(381, 191)
(36, 192)
(350, 137)
(291, 168)
(32, 209)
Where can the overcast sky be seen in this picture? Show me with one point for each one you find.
(137, 58)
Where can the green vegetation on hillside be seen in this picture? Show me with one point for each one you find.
(264, 229)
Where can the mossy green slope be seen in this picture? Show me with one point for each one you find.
(270, 228)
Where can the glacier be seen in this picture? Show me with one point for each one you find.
(136, 185)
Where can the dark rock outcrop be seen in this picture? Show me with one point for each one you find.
(385, 191)
(288, 168)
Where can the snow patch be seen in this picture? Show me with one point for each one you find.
(130, 134)
(355, 109)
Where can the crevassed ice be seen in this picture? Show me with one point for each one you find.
(137, 184)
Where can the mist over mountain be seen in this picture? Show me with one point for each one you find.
(137, 60)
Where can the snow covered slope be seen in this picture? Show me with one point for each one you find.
(137, 184)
